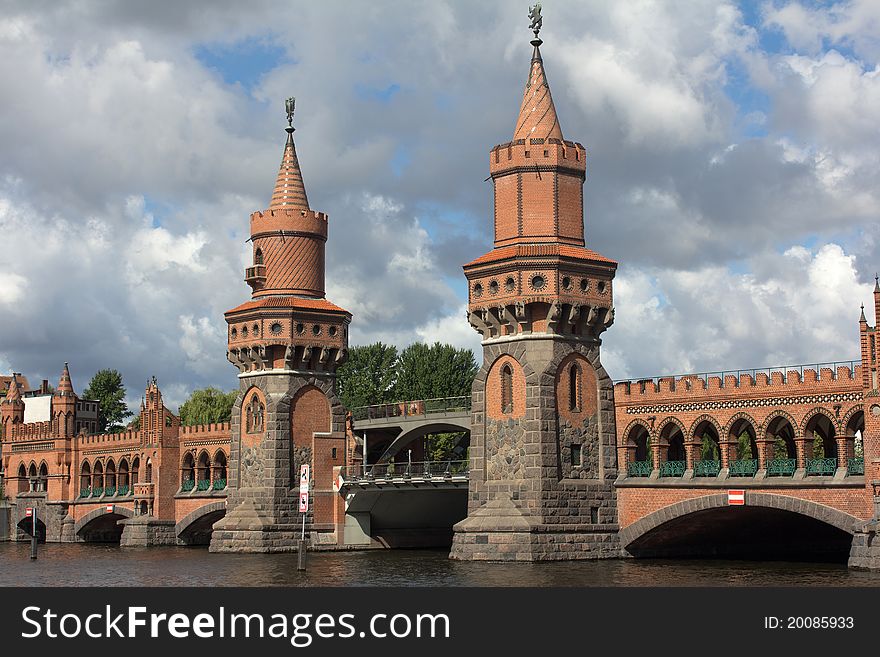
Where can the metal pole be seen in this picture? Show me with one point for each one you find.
(365, 453)
(301, 547)
(34, 534)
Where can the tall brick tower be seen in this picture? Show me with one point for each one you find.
(64, 406)
(542, 448)
(286, 342)
(11, 408)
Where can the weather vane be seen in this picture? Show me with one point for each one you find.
(289, 106)
(535, 16)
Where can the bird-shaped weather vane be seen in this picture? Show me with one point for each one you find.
(535, 16)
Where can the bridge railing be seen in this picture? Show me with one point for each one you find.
(418, 470)
(412, 408)
(753, 372)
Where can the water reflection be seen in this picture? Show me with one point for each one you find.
(110, 565)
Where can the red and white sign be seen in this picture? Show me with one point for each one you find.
(338, 483)
(109, 508)
(28, 512)
(736, 497)
(304, 478)
(303, 502)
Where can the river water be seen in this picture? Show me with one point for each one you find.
(89, 564)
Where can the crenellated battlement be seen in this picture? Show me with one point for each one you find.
(794, 379)
(32, 431)
(86, 440)
(196, 431)
(302, 221)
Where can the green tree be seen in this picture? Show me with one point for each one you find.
(442, 446)
(206, 406)
(438, 370)
(368, 376)
(107, 387)
(709, 450)
(744, 446)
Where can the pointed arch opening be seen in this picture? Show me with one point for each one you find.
(506, 389)
(575, 394)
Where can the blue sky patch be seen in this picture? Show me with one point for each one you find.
(243, 62)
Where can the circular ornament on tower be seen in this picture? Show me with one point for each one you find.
(538, 282)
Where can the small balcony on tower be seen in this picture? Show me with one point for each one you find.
(255, 276)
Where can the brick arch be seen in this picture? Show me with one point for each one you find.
(587, 388)
(671, 419)
(201, 512)
(705, 418)
(98, 513)
(829, 515)
(494, 385)
(849, 416)
(820, 410)
(780, 413)
(736, 418)
(632, 425)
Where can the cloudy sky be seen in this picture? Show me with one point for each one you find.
(732, 171)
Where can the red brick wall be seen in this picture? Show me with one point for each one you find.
(493, 389)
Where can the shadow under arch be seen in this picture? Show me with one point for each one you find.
(768, 526)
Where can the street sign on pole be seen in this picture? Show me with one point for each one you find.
(303, 503)
(28, 512)
(736, 497)
(304, 478)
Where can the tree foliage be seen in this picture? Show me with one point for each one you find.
(108, 389)
(368, 376)
(438, 370)
(206, 406)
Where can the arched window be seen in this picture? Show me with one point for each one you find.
(203, 471)
(506, 389)
(98, 479)
(32, 477)
(43, 481)
(219, 468)
(574, 387)
(85, 478)
(258, 256)
(22, 479)
(255, 413)
(123, 484)
(148, 473)
(110, 478)
(135, 466)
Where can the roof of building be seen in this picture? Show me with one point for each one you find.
(290, 191)
(537, 114)
(24, 386)
(541, 250)
(65, 386)
(288, 302)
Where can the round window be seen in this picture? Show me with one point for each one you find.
(244, 331)
(566, 283)
(316, 329)
(509, 284)
(332, 330)
(276, 328)
(234, 334)
(493, 287)
(585, 285)
(538, 282)
(256, 329)
(478, 290)
(600, 287)
(300, 329)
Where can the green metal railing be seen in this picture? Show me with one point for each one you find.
(821, 466)
(188, 484)
(122, 490)
(707, 468)
(97, 492)
(419, 470)
(639, 469)
(204, 484)
(781, 467)
(855, 466)
(110, 491)
(219, 484)
(743, 467)
(672, 468)
(85, 492)
(413, 408)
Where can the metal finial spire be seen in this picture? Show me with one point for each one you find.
(289, 107)
(535, 16)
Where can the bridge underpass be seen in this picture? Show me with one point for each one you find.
(404, 505)
(760, 530)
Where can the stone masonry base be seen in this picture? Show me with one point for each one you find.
(268, 538)
(865, 551)
(544, 543)
(144, 531)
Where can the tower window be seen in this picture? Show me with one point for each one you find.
(574, 387)
(576, 459)
(258, 257)
(333, 453)
(506, 389)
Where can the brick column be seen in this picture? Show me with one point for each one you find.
(804, 447)
(726, 447)
(765, 450)
(692, 451)
(844, 445)
(658, 453)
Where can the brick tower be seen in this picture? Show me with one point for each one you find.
(12, 407)
(286, 342)
(865, 552)
(542, 449)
